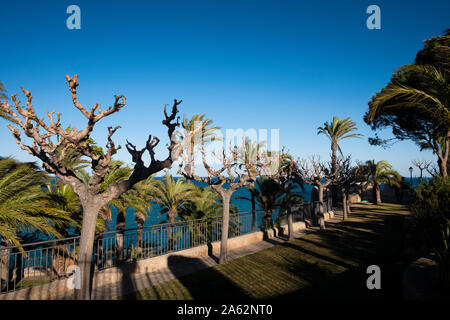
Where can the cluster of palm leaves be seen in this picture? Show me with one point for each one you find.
(25, 206)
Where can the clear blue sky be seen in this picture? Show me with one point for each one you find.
(287, 65)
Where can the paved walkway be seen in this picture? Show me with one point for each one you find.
(191, 265)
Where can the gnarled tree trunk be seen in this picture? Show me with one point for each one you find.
(226, 197)
(348, 204)
(140, 220)
(120, 236)
(321, 211)
(377, 194)
(334, 188)
(344, 204)
(91, 207)
(172, 214)
(290, 223)
(253, 200)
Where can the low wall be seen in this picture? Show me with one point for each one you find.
(58, 290)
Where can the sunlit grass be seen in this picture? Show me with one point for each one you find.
(327, 264)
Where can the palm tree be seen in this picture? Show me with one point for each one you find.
(204, 203)
(415, 103)
(25, 207)
(269, 194)
(381, 172)
(207, 133)
(336, 131)
(172, 196)
(196, 130)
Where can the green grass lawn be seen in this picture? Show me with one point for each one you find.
(330, 264)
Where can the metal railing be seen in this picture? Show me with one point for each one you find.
(41, 262)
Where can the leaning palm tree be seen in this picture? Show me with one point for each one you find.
(415, 103)
(381, 172)
(172, 196)
(336, 131)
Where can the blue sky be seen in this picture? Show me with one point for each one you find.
(287, 65)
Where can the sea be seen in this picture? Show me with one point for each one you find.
(243, 205)
(156, 217)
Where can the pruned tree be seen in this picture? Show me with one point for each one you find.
(421, 165)
(349, 176)
(316, 173)
(285, 178)
(47, 138)
(252, 149)
(433, 170)
(225, 180)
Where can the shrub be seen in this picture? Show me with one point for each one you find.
(430, 222)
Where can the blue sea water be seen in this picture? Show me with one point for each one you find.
(243, 205)
(156, 217)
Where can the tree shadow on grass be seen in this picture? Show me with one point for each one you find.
(353, 245)
(209, 284)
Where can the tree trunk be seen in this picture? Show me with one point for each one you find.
(443, 155)
(268, 224)
(334, 189)
(253, 211)
(348, 203)
(172, 213)
(321, 216)
(90, 213)
(120, 237)
(140, 220)
(444, 168)
(290, 223)
(344, 204)
(225, 226)
(377, 193)
(4, 264)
